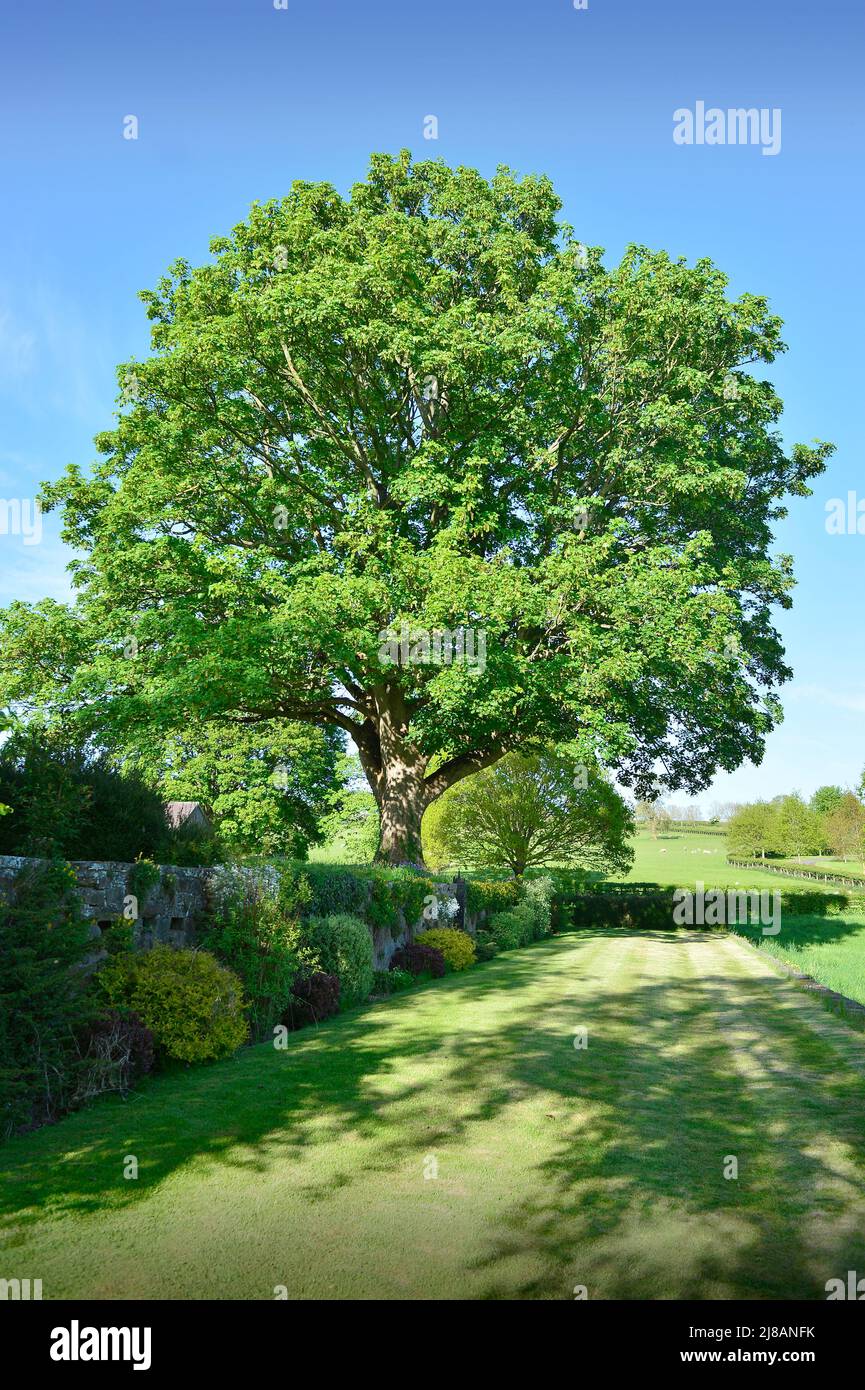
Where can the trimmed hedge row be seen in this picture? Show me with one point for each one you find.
(642, 909)
(490, 895)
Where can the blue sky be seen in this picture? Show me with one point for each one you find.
(236, 98)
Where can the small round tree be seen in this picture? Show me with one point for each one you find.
(543, 807)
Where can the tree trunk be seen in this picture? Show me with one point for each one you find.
(401, 807)
(395, 769)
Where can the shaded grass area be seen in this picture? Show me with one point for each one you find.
(556, 1167)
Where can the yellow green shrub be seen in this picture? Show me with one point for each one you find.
(456, 946)
(192, 1005)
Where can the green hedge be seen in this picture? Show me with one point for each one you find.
(378, 895)
(654, 909)
(491, 895)
(636, 910)
(529, 920)
(339, 944)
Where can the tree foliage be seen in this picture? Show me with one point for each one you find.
(429, 404)
(71, 800)
(825, 799)
(653, 813)
(845, 828)
(263, 784)
(537, 808)
(753, 830)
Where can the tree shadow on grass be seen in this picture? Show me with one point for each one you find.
(629, 1199)
(261, 1105)
(635, 1203)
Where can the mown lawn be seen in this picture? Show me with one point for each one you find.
(830, 948)
(556, 1167)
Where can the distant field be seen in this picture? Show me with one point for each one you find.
(684, 857)
(845, 868)
(831, 949)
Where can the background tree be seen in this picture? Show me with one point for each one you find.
(753, 830)
(72, 800)
(825, 800)
(263, 784)
(428, 404)
(537, 808)
(655, 814)
(799, 828)
(845, 828)
(350, 826)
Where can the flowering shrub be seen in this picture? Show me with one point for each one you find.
(538, 900)
(456, 946)
(443, 910)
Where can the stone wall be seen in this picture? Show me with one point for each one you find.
(170, 912)
(173, 909)
(384, 942)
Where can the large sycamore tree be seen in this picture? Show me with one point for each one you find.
(428, 404)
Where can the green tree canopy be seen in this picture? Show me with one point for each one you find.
(72, 800)
(753, 829)
(799, 829)
(845, 828)
(263, 783)
(429, 404)
(825, 799)
(541, 807)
